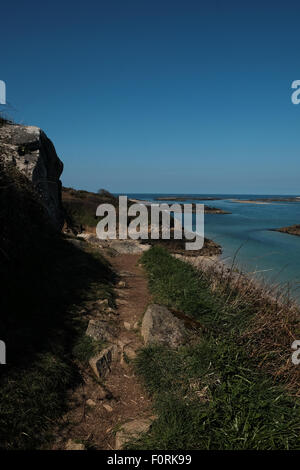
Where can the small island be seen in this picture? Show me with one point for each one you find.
(267, 200)
(214, 210)
(291, 230)
(280, 199)
(207, 209)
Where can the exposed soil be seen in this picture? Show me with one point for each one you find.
(125, 398)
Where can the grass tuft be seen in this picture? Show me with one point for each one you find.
(85, 348)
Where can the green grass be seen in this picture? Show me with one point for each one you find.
(80, 214)
(179, 285)
(80, 206)
(85, 348)
(174, 283)
(210, 395)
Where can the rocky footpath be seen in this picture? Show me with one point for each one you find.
(112, 393)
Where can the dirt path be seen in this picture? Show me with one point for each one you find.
(97, 412)
(132, 302)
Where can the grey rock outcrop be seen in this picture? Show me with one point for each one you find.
(31, 152)
(131, 247)
(160, 326)
(101, 330)
(102, 362)
(132, 430)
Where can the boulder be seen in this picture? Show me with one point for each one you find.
(32, 153)
(132, 430)
(161, 327)
(130, 247)
(101, 330)
(102, 362)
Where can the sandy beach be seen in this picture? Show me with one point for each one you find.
(241, 201)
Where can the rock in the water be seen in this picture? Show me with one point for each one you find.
(72, 445)
(132, 430)
(31, 152)
(160, 326)
(102, 362)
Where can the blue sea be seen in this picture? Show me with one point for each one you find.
(245, 234)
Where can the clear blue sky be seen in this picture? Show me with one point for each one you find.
(160, 95)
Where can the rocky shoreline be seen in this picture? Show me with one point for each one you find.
(218, 270)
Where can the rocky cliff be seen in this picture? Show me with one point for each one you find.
(31, 152)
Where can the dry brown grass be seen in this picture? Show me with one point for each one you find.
(272, 320)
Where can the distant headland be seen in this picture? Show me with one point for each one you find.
(187, 198)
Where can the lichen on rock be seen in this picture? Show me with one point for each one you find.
(161, 327)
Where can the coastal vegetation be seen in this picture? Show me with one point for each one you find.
(234, 388)
(80, 208)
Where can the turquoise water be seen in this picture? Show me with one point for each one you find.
(273, 256)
